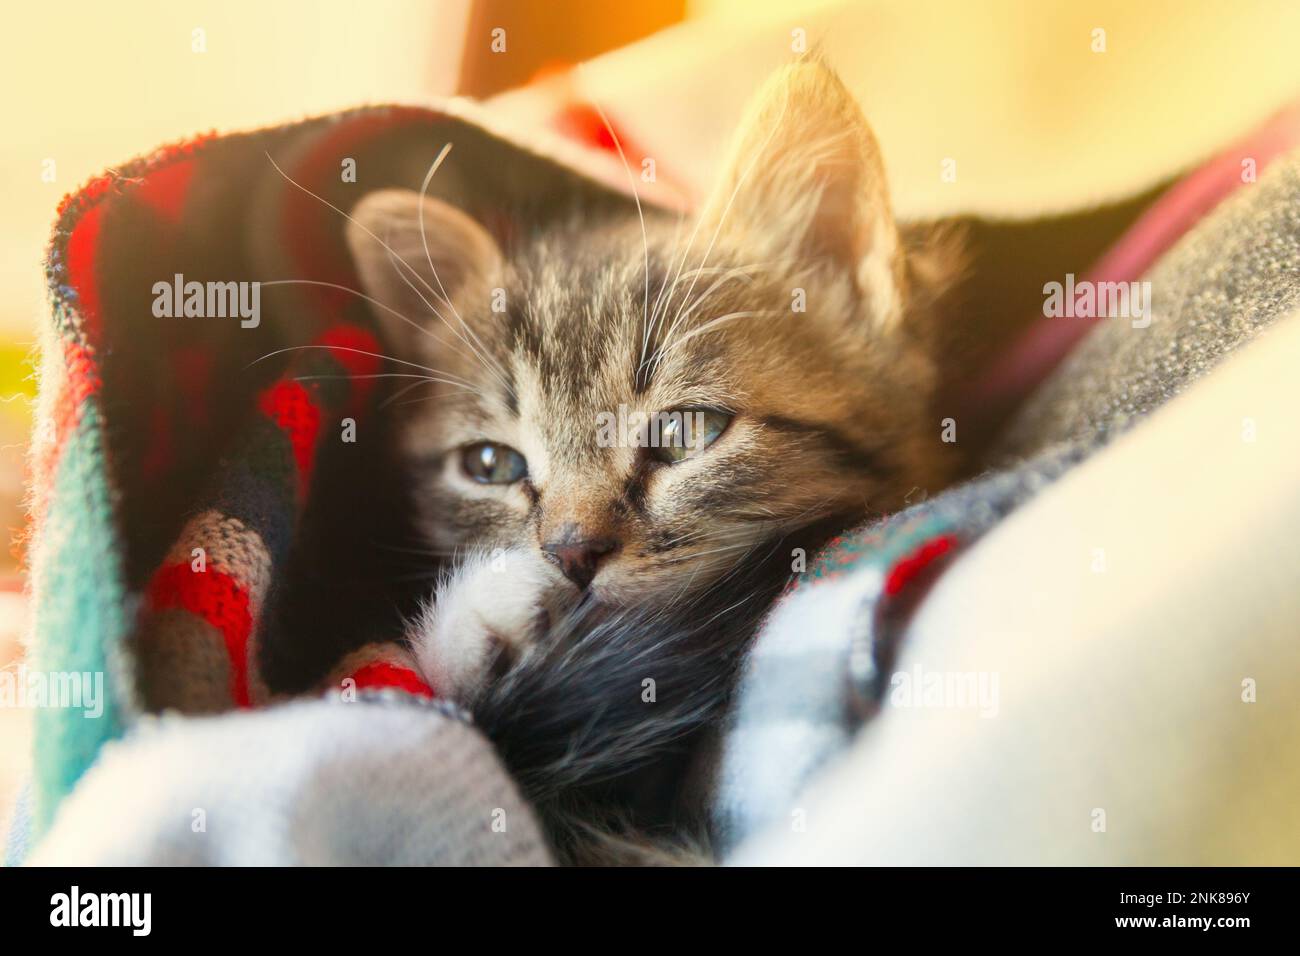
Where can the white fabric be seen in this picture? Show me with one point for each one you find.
(321, 783)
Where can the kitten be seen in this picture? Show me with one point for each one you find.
(791, 325)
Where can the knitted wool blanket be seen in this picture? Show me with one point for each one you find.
(217, 519)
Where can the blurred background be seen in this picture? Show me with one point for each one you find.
(1016, 93)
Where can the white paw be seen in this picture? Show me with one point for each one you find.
(488, 612)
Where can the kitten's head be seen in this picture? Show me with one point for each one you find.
(646, 412)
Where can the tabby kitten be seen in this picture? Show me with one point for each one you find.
(773, 360)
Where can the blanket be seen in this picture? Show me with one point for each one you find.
(217, 519)
(364, 782)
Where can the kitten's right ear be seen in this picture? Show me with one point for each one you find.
(412, 253)
(806, 179)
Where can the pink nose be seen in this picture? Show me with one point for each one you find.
(579, 558)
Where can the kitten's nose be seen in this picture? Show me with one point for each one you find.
(579, 557)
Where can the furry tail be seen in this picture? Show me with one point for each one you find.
(597, 722)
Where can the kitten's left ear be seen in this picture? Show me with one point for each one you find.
(805, 174)
(413, 254)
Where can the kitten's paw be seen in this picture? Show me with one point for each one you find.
(492, 608)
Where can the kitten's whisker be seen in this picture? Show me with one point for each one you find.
(739, 546)
(424, 239)
(704, 534)
(414, 385)
(730, 538)
(714, 270)
(681, 540)
(681, 264)
(645, 241)
(744, 539)
(293, 182)
(348, 348)
(426, 398)
(662, 302)
(677, 233)
(723, 612)
(713, 324)
(392, 253)
(683, 315)
(373, 301)
(448, 377)
(703, 566)
(396, 261)
(814, 512)
(726, 210)
(741, 564)
(399, 393)
(422, 378)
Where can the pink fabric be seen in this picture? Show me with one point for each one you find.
(1046, 343)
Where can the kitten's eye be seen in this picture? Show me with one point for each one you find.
(492, 464)
(687, 432)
